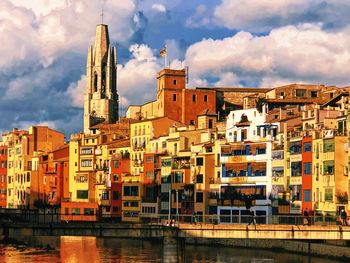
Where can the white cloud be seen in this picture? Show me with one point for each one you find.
(264, 15)
(201, 17)
(48, 29)
(293, 53)
(76, 92)
(159, 8)
(137, 77)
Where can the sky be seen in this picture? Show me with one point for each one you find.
(240, 43)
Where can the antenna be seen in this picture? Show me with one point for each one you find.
(102, 14)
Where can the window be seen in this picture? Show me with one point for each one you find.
(86, 151)
(328, 146)
(86, 163)
(307, 195)
(28, 177)
(307, 168)
(211, 124)
(75, 211)
(328, 167)
(174, 82)
(205, 98)
(150, 175)
(194, 98)
(313, 94)
(82, 179)
(199, 178)
(199, 197)
(307, 147)
(66, 211)
(260, 150)
(328, 195)
(131, 190)
(295, 147)
(300, 93)
(177, 177)
(277, 155)
(105, 195)
(131, 204)
(199, 161)
(163, 145)
(295, 168)
(192, 122)
(82, 194)
(149, 159)
(115, 195)
(166, 163)
(115, 208)
(88, 211)
(116, 164)
(174, 97)
(115, 177)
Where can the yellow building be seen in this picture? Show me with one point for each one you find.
(21, 147)
(330, 184)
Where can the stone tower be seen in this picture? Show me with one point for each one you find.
(101, 98)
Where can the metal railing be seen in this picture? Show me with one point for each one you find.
(34, 216)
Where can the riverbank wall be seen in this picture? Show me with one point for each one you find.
(331, 249)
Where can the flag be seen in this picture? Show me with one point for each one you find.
(162, 53)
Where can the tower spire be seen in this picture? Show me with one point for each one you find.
(101, 100)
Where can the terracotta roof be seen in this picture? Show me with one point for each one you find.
(244, 123)
(286, 101)
(119, 143)
(237, 89)
(207, 112)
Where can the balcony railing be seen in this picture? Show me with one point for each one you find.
(181, 166)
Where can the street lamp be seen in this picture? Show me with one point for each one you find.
(177, 205)
(169, 205)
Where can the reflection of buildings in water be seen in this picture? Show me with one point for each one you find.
(79, 249)
(130, 250)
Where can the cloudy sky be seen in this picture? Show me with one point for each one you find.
(257, 43)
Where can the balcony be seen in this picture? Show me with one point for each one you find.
(180, 166)
(225, 202)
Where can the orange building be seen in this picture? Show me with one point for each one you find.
(49, 182)
(3, 176)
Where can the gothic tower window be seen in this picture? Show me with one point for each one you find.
(103, 80)
(95, 82)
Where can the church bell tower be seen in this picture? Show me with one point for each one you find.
(101, 97)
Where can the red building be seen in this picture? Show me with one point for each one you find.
(3, 176)
(119, 167)
(179, 103)
(307, 173)
(151, 177)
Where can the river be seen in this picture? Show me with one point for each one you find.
(91, 250)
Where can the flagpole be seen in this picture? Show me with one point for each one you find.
(165, 57)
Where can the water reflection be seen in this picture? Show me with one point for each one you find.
(91, 250)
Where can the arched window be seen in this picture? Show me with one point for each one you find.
(244, 118)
